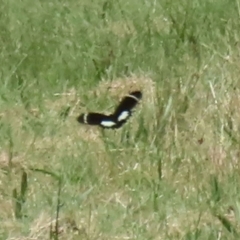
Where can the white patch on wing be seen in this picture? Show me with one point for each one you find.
(85, 118)
(123, 116)
(107, 123)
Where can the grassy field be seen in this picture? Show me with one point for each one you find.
(172, 172)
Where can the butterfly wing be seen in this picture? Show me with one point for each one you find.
(124, 109)
(102, 120)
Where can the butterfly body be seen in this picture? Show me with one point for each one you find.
(118, 118)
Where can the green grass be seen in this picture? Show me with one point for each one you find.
(172, 172)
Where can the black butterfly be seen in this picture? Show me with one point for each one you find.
(118, 118)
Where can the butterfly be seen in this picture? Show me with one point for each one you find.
(120, 116)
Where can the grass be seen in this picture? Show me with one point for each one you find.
(172, 172)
